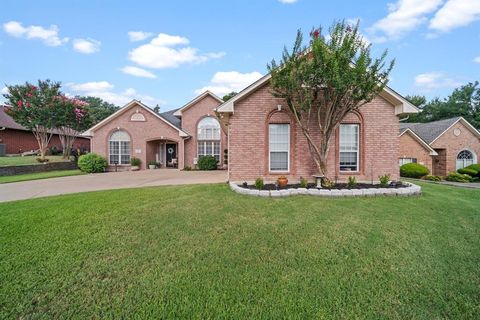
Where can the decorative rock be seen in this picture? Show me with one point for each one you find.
(293, 192)
(325, 193)
(285, 193)
(314, 192)
(336, 193)
(264, 193)
(254, 192)
(357, 192)
(275, 193)
(302, 191)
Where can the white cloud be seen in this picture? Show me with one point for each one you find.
(435, 80)
(287, 1)
(104, 90)
(139, 35)
(138, 72)
(48, 36)
(86, 46)
(163, 51)
(404, 16)
(226, 82)
(476, 59)
(454, 14)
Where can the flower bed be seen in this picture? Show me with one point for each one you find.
(339, 190)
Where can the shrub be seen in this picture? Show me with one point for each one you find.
(259, 183)
(384, 180)
(470, 172)
(352, 182)
(135, 161)
(92, 163)
(152, 163)
(207, 163)
(327, 183)
(433, 178)
(303, 182)
(475, 167)
(413, 170)
(187, 168)
(458, 177)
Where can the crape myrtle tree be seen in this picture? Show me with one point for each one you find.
(322, 82)
(71, 118)
(34, 108)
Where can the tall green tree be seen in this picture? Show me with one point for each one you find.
(229, 96)
(325, 81)
(34, 107)
(97, 109)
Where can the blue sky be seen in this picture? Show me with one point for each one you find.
(166, 52)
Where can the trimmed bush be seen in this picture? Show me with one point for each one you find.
(433, 178)
(135, 162)
(384, 180)
(413, 170)
(470, 172)
(458, 177)
(207, 163)
(92, 163)
(475, 167)
(259, 184)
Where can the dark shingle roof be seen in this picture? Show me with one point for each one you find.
(429, 131)
(168, 115)
(7, 121)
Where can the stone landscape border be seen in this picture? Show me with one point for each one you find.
(410, 190)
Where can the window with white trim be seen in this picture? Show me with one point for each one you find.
(208, 138)
(465, 158)
(279, 147)
(119, 148)
(349, 147)
(403, 161)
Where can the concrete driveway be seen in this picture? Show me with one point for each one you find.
(106, 181)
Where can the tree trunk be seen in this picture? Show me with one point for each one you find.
(67, 138)
(43, 138)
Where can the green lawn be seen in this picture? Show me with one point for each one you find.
(205, 252)
(18, 161)
(39, 175)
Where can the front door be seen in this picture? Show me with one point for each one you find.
(172, 160)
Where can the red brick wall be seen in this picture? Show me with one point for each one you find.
(248, 140)
(18, 141)
(411, 148)
(453, 145)
(190, 118)
(140, 133)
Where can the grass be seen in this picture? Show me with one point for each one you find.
(39, 175)
(206, 252)
(18, 160)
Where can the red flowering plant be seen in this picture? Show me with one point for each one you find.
(71, 117)
(34, 108)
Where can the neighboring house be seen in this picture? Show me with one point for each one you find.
(174, 139)
(442, 146)
(265, 141)
(18, 139)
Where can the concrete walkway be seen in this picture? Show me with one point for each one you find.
(470, 185)
(106, 181)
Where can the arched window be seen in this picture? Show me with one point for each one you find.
(208, 138)
(465, 158)
(119, 148)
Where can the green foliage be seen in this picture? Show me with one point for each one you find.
(413, 170)
(463, 101)
(458, 177)
(433, 178)
(352, 182)
(229, 96)
(98, 109)
(333, 76)
(259, 184)
(207, 163)
(152, 163)
(470, 172)
(327, 183)
(384, 180)
(303, 182)
(135, 161)
(475, 167)
(92, 163)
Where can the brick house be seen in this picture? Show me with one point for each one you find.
(264, 140)
(18, 139)
(442, 146)
(174, 139)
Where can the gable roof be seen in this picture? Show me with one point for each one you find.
(402, 105)
(179, 111)
(431, 131)
(126, 107)
(168, 115)
(419, 140)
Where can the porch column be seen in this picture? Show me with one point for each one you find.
(181, 154)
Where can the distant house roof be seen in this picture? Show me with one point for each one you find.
(430, 131)
(7, 122)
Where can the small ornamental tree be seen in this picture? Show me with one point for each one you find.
(34, 108)
(325, 81)
(71, 117)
